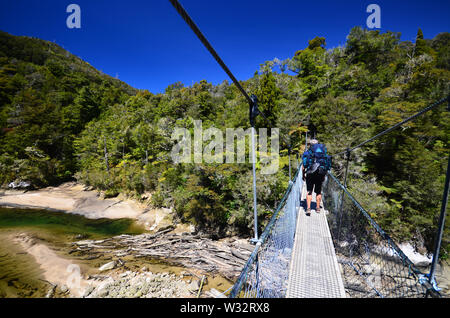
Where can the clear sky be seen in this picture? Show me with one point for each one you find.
(148, 45)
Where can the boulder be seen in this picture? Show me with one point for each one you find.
(214, 293)
(19, 185)
(418, 260)
(156, 220)
(107, 266)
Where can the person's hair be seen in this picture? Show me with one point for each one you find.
(313, 141)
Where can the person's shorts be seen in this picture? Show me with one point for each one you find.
(314, 181)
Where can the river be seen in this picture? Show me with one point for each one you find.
(20, 274)
(36, 244)
(36, 252)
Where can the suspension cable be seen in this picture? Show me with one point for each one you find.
(177, 5)
(439, 102)
(206, 43)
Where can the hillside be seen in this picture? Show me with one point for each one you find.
(47, 96)
(62, 118)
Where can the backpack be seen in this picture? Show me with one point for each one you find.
(316, 159)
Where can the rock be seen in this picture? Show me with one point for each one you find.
(64, 288)
(88, 188)
(107, 266)
(103, 293)
(194, 286)
(215, 293)
(51, 292)
(418, 259)
(19, 185)
(88, 291)
(157, 220)
(102, 289)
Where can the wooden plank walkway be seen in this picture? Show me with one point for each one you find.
(314, 271)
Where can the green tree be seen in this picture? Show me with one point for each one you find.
(268, 96)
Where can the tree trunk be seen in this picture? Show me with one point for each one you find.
(106, 155)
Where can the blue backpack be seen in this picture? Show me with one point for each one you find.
(316, 159)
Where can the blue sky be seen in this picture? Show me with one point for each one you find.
(148, 45)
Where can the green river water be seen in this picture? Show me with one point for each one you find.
(20, 275)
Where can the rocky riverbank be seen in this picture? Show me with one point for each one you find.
(169, 260)
(146, 284)
(224, 257)
(124, 265)
(84, 273)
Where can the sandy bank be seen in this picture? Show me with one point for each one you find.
(69, 279)
(73, 198)
(58, 271)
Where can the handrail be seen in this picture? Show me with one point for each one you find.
(418, 274)
(239, 282)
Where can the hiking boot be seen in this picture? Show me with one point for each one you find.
(308, 212)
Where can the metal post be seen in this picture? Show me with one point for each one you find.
(306, 141)
(347, 155)
(255, 211)
(441, 224)
(289, 153)
(254, 112)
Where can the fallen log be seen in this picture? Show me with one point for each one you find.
(190, 251)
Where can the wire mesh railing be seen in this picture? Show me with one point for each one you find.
(266, 273)
(372, 265)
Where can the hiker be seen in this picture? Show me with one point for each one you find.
(316, 164)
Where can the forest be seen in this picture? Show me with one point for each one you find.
(61, 120)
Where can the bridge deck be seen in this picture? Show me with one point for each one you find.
(314, 271)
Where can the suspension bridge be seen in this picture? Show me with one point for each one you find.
(314, 270)
(337, 253)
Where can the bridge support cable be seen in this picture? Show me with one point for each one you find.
(423, 111)
(177, 5)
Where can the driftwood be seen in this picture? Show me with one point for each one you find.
(226, 257)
